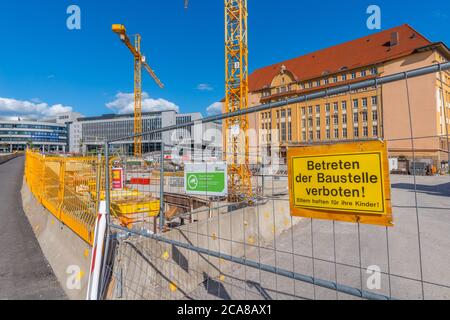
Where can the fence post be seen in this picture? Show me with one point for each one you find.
(103, 276)
(98, 188)
(62, 181)
(95, 280)
(161, 191)
(42, 178)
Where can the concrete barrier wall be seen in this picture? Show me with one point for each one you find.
(147, 269)
(68, 254)
(6, 158)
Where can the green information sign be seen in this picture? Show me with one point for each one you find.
(206, 179)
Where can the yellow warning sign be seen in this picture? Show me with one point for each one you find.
(344, 182)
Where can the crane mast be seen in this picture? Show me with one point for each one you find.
(236, 139)
(236, 142)
(137, 99)
(139, 61)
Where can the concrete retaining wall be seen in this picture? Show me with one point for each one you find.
(147, 269)
(8, 157)
(68, 254)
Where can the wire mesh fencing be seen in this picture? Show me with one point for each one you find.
(181, 227)
(68, 188)
(208, 248)
(177, 235)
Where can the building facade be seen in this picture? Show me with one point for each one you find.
(88, 134)
(377, 112)
(18, 134)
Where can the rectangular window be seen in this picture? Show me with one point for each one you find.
(317, 109)
(336, 133)
(355, 117)
(374, 70)
(304, 136)
(318, 121)
(375, 131)
(356, 132)
(289, 112)
(310, 122)
(303, 111)
(364, 117)
(283, 131)
(289, 131)
(310, 110)
(311, 136)
(336, 107)
(344, 119)
(365, 131)
(363, 73)
(283, 113)
(374, 116)
(344, 106)
(318, 83)
(344, 77)
(364, 102)
(336, 119)
(318, 134)
(344, 133)
(328, 134)
(374, 101)
(327, 121)
(335, 79)
(304, 123)
(353, 75)
(327, 107)
(326, 81)
(355, 104)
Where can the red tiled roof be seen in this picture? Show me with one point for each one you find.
(353, 54)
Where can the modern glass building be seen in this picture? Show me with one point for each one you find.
(17, 134)
(87, 134)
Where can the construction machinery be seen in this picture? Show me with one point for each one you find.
(139, 61)
(236, 139)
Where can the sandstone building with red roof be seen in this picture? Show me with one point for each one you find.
(378, 112)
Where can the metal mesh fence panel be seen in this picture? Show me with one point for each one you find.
(67, 187)
(176, 235)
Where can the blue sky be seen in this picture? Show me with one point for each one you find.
(44, 65)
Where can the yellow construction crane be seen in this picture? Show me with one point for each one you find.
(236, 140)
(139, 61)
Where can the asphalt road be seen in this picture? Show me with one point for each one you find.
(24, 271)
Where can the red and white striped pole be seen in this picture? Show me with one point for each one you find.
(97, 253)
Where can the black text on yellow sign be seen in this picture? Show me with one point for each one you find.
(345, 182)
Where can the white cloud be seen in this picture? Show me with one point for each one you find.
(34, 108)
(205, 87)
(440, 15)
(215, 108)
(124, 104)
